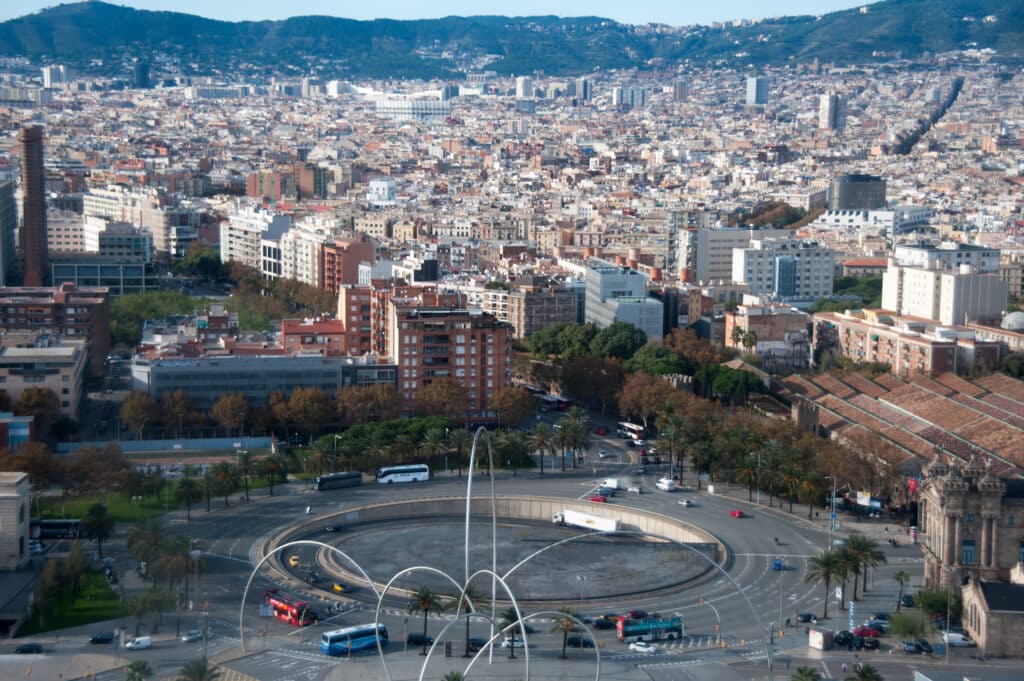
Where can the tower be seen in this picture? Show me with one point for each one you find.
(33, 212)
(8, 224)
(830, 112)
(757, 91)
(140, 77)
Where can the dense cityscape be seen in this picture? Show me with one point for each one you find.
(735, 350)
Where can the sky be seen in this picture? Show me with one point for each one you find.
(672, 12)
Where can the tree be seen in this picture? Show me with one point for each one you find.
(459, 440)
(564, 626)
(473, 596)
(643, 396)
(311, 409)
(40, 403)
(620, 340)
(510, 622)
(543, 439)
(865, 672)
(935, 602)
(198, 669)
(75, 565)
(98, 525)
(224, 480)
(805, 673)
(245, 467)
(138, 670)
(453, 676)
(902, 578)
(434, 445)
(906, 625)
(867, 555)
(512, 404)
(655, 358)
(138, 410)
(442, 397)
(187, 490)
(273, 468)
(175, 407)
(230, 411)
(825, 568)
(425, 601)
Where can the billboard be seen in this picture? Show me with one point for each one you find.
(863, 498)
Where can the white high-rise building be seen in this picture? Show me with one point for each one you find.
(831, 112)
(524, 87)
(705, 255)
(757, 91)
(173, 227)
(788, 269)
(242, 233)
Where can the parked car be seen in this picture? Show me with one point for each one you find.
(909, 648)
(955, 640)
(419, 640)
(865, 632)
(476, 643)
(579, 642)
(857, 642)
(924, 646)
(510, 642)
(883, 616)
(639, 470)
(842, 638)
(192, 635)
(643, 647)
(29, 649)
(805, 617)
(102, 637)
(736, 513)
(907, 601)
(602, 623)
(636, 614)
(602, 454)
(606, 491)
(600, 430)
(871, 644)
(880, 625)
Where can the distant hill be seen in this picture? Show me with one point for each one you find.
(88, 31)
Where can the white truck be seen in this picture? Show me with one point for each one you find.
(614, 483)
(585, 520)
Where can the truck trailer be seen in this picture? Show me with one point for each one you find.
(585, 520)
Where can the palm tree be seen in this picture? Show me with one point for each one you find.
(674, 437)
(453, 676)
(146, 541)
(852, 565)
(825, 568)
(747, 475)
(811, 489)
(790, 481)
(138, 606)
(198, 669)
(402, 448)
(187, 489)
(459, 441)
(865, 672)
(322, 459)
(509, 618)
(806, 674)
(139, 670)
(469, 605)
(564, 626)
(425, 601)
(273, 468)
(902, 578)
(542, 439)
(434, 445)
(564, 438)
(867, 553)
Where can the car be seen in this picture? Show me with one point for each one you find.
(872, 644)
(102, 637)
(880, 625)
(600, 430)
(510, 642)
(338, 587)
(805, 617)
(639, 470)
(139, 643)
(865, 632)
(643, 452)
(293, 561)
(777, 564)
(330, 528)
(602, 454)
(909, 648)
(192, 635)
(736, 513)
(597, 498)
(601, 623)
(643, 647)
(907, 601)
(635, 490)
(881, 616)
(857, 642)
(419, 640)
(636, 614)
(924, 646)
(29, 649)
(685, 503)
(842, 638)
(476, 643)
(313, 578)
(640, 443)
(579, 642)
(955, 640)
(606, 491)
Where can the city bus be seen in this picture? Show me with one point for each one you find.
(555, 403)
(338, 480)
(54, 529)
(648, 629)
(291, 610)
(412, 473)
(632, 431)
(351, 639)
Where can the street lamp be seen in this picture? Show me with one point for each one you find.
(137, 501)
(581, 579)
(832, 513)
(782, 569)
(949, 603)
(336, 438)
(758, 477)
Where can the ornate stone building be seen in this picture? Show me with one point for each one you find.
(971, 521)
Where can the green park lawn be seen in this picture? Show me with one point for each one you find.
(95, 602)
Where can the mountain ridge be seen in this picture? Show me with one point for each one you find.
(442, 48)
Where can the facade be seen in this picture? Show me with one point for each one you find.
(785, 268)
(242, 233)
(35, 268)
(830, 112)
(606, 281)
(779, 333)
(15, 430)
(645, 313)
(1011, 271)
(14, 520)
(320, 336)
(949, 255)
(355, 312)
(8, 227)
(118, 275)
(706, 254)
(524, 87)
(757, 91)
(993, 614)
(856, 192)
(340, 260)
(538, 304)
(204, 380)
(173, 228)
(405, 108)
(908, 346)
(427, 339)
(68, 310)
(47, 362)
(951, 296)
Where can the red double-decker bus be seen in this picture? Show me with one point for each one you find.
(287, 609)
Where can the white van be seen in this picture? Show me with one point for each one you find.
(955, 640)
(613, 483)
(139, 643)
(666, 485)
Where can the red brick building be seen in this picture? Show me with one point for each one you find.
(323, 336)
(339, 262)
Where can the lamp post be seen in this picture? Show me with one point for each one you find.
(137, 501)
(832, 512)
(758, 477)
(582, 580)
(718, 618)
(949, 604)
(336, 438)
(781, 571)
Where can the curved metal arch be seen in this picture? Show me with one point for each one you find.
(719, 568)
(481, 431)
(275, 550)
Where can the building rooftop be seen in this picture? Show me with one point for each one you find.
(1002, 596)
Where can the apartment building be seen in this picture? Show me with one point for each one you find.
(780, 334)
(428, 339)
(706, 254)
(242, 234)
(536, 303)
(340, 260)
(787, 269)
(15, 492)
(68, 310)
(37, 359)
(173, 227)
(355, 304)
(319, 336)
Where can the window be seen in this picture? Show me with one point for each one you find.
(1020, 553)
(969, 517)
(967, 556)
(1009, 520)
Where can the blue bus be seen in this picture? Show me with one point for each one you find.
(338, 480)
(351, 639)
